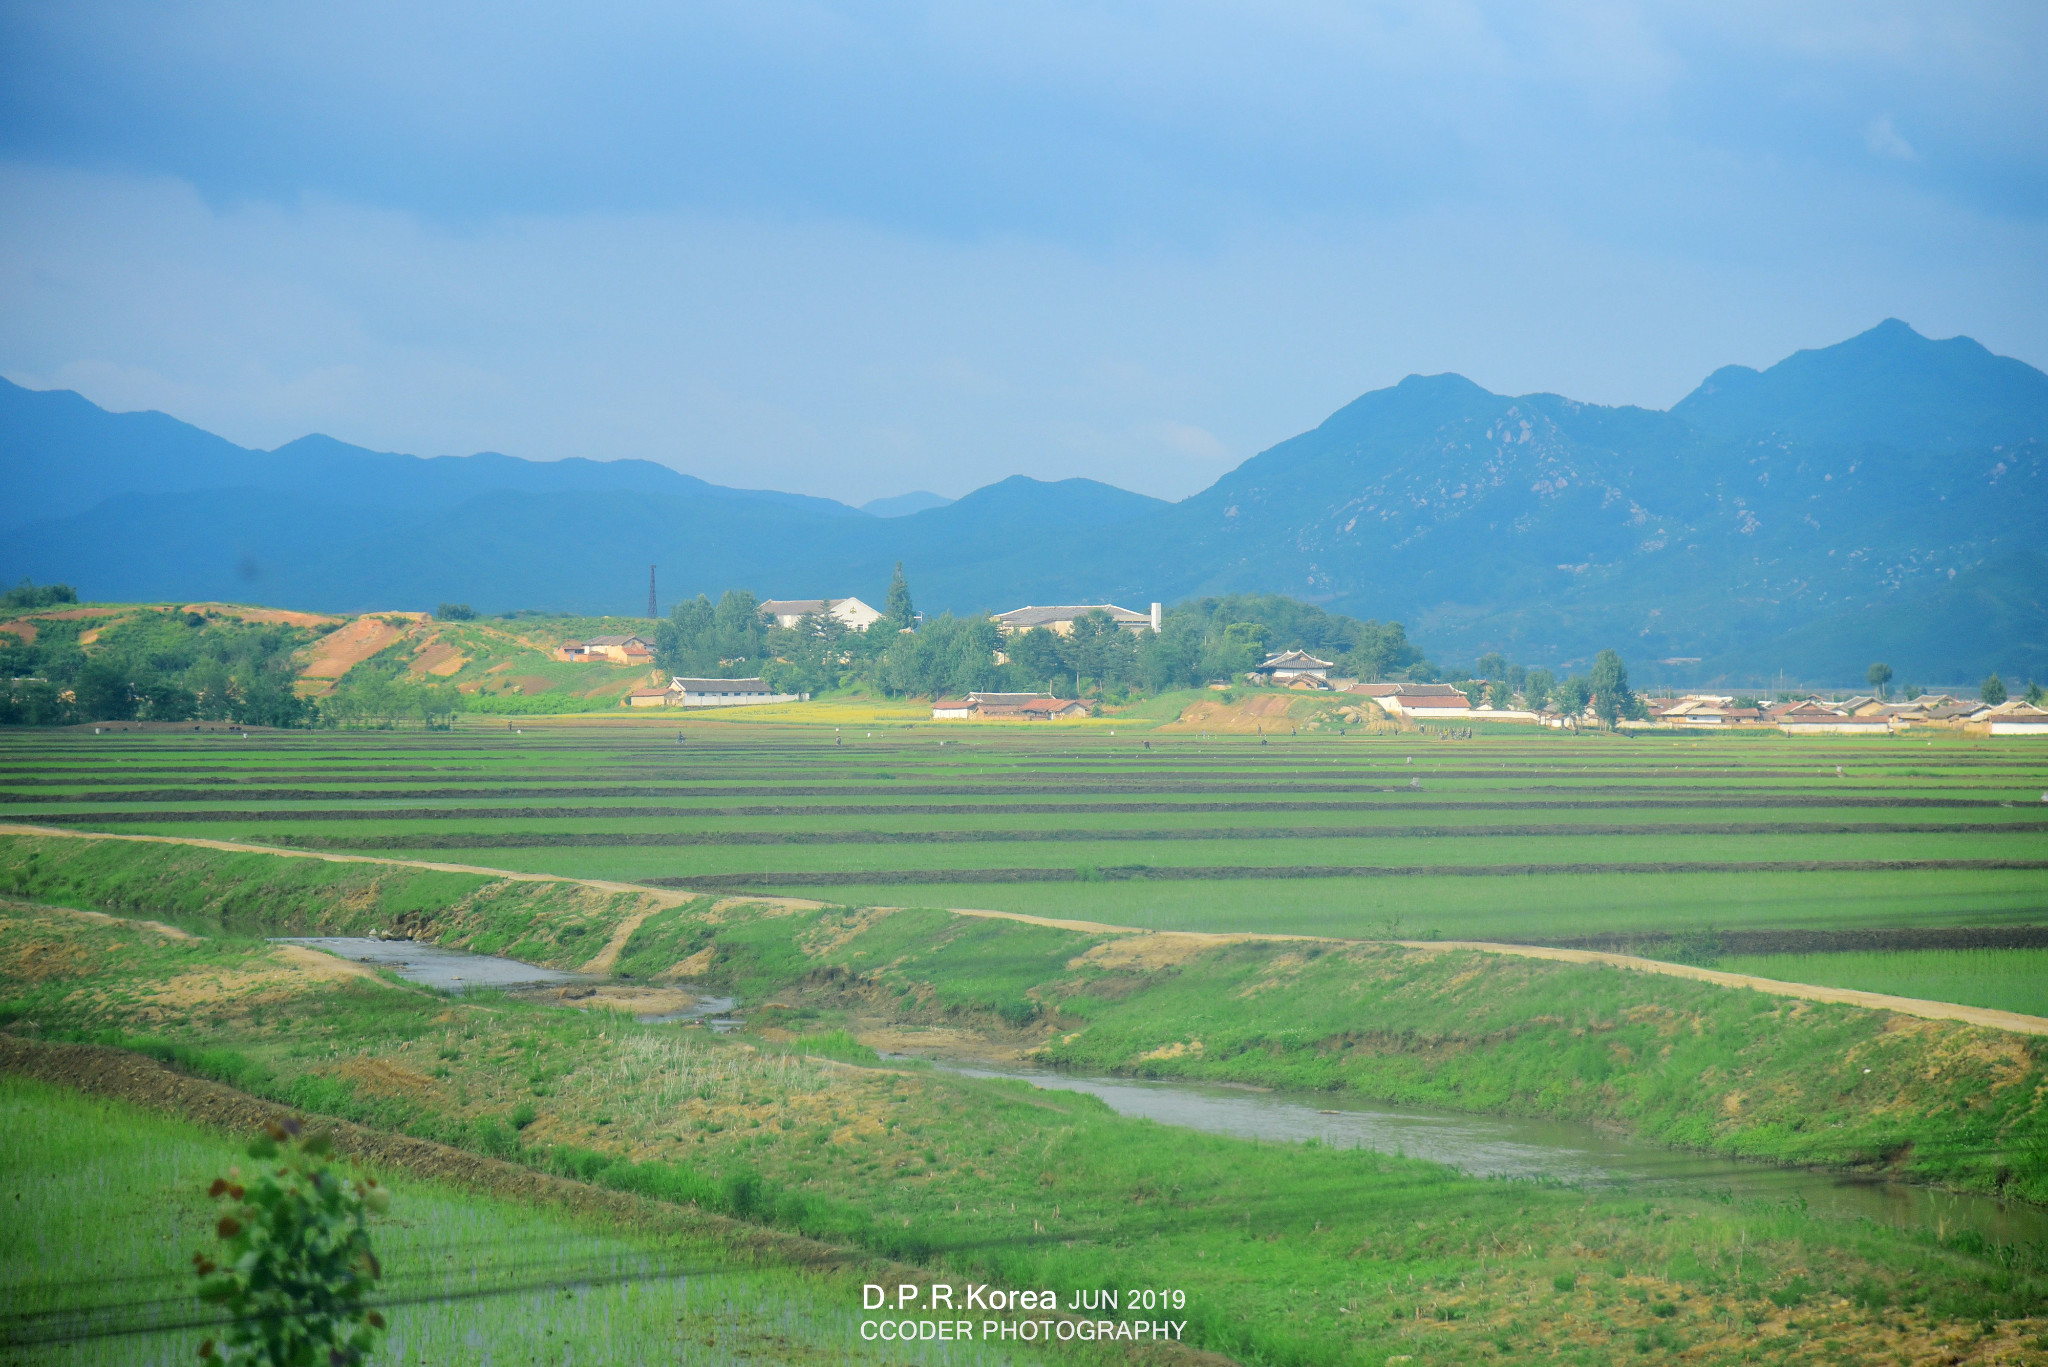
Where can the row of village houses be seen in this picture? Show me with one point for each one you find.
(854, 615)
(1811, 716)
(1418, 702)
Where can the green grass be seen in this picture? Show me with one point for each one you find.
(107, 1204)
(2004, 979)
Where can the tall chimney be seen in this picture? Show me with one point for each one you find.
(650, 593)
(1155, 619)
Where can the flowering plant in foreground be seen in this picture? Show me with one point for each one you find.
(297, 1262)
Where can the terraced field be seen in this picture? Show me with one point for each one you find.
(1535, 836)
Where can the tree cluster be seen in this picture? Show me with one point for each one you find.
(153, 666)
(905, 654)
(1501, 684)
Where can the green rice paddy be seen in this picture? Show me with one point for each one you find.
(1528, 834)
(107, 1204)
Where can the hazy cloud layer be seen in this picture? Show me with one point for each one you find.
(858, 249)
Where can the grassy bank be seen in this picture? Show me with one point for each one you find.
(1681, 1063)
(1288, 1253)
(546, 922)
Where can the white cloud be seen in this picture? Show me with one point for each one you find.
(1884, 140)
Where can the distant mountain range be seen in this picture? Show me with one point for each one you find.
(1884, 498)
(903, 505)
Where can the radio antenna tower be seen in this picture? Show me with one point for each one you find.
(650, 593)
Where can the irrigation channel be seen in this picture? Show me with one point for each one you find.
(1481, 1145)
(457, 970)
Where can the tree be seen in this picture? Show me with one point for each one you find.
(1993, 690)
(1536, 686)
(1879, 675)
(1490, 666)
(1035, 655)
(28, 595)
(1572, 696)
(1498, 696)
(739, 635)
(455, 612)
(2036, 694)
(297, 1263)
(900, 610)
(1612, 699)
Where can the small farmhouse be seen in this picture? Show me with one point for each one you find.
(1814, 718)
(648, 697)
(1060, 620)
(1007, 707)
(727, 693)
(615, 650)
(2015, 717)
(851, 612)
(1425, 702)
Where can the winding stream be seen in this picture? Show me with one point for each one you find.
(1484, 1146)
(1501, 1146)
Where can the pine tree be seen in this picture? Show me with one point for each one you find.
(900, 610)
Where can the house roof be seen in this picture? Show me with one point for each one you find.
(798, 607)
(1425, 690)
(614, 641)
(1027, 617)
(650, 693)
(1006, 699)
(722, 685)
(1375, 690)
(1294, 659)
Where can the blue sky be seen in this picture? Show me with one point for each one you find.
(859, 249)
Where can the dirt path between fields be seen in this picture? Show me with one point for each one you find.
(1876, 1001)
(1166, 946)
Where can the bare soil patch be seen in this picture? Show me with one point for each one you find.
(263, 616)
(341, 650)
(640, 1001)
(438, 658)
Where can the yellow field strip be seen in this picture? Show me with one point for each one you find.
(1875, 1001)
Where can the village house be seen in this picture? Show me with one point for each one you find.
(1007, 707)
(1293, 664)
(1815, 718)
(2015, 717)
(615, 650)
(1060, 620)
(1425, 702)
(683, 692)
(854, 614)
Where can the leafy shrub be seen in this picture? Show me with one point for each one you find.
(297, 1262)
(1791, 1293)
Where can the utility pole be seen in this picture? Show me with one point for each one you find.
(651, 612)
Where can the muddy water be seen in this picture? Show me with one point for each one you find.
(1494, 1146)
(448, 970)
(453, 970)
